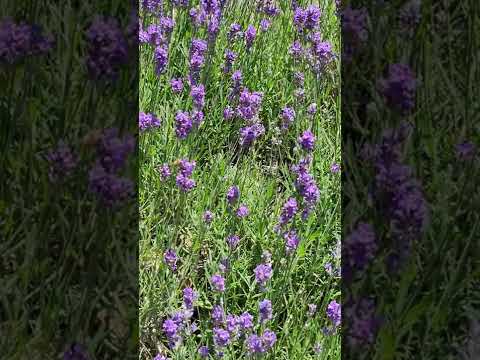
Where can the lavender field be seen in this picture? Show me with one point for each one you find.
(239, 180)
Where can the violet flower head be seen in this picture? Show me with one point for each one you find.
(249, 104)
(203, 351)
(198, 96)
(296, 49)
(167, 24)
(186, 167)
(218, 315)
(197, 118)
(233, 194)
(170, 258)
(76, 352)
(243, 211)
(218, 282)
(289, 210)
(399, 88)
(307, 140)
(288, 116)
(113, 149)
(237, 78)
(249, 134)
(107, 48)
(232, 325)
(250, 35)
(354, 31)
(184, 183)
(265, 310)
(161, 59)
(263, 273)
(269, 338)
(299, 17)
(183, 124)
(147, 121)
(335, 168)
(312, 17)
(234, 32)
(189, 297)
(228, 113)
(221, 337)
(109, 188)
(321, 55)
(254, 344)
(291, 241)
(164, 171)
(334, 313)
(177, 85)
(299, 79)
(246, 321)
(312, 109)
(230, 57)
(152, 6)
(465, 151)
(265, 24)
(208, 217)
(61, 161)
(233, 240)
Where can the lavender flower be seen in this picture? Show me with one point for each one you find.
(312, 17)
(110, 189)
(218, 315)
(232, 325)
(233, 194)
(185, 183)
(307, 140)
(250, 35)
(254, 344)
(234, 32)
(189, 296)
(164, 171)
(208, 217)
(296, 50)
(147, 121)
(161, 59)
(312, 309)
(76, 352)
(354, 31)
(243, 211)
(61, 161)
(398, 88)
(183, 124)
(289, 210)
(312, 109)
(218, 282)
(228, 113)
(249, 134)
(299, 79)
(265, 310)
(265, 24)
(233, 240)
(221, 337)
(291, 241)
(246, 321)
(230, 57)
(249, 104)
(198, 95)
(170, 257)
(465, 151)
(170, 329)
(269, 338)
(335, 168)
(186, 167)
(334, 313)
(288, 116)
(203, 351)
(177, 85)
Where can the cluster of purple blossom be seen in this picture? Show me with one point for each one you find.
(399, 88)
(310, 45)
(354, 31)
(183, 179)
(107, 48)
(61, 161)
(148, 121)
(19, 41)
(104, 178)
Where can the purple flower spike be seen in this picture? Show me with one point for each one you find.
(170, 258)
(288, 116)
(233, 241)
(250, 35)
(203, 351)
(221, 337)
(177, 85)
(243, 211)
(269, 338)
(189, 296)
(254, 345)
(164, 171)
(265, 310)
(233, 194)
(334, 313)
(291, 241)
(307, 140)
(335, 168)
(218, 282)
(208, 217)
(263, 273)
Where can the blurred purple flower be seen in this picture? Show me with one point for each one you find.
(218, 282)
(233, 194)
(307, 140)
(265, 310)
(147, 121)
(177, 85)
(170, 258)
